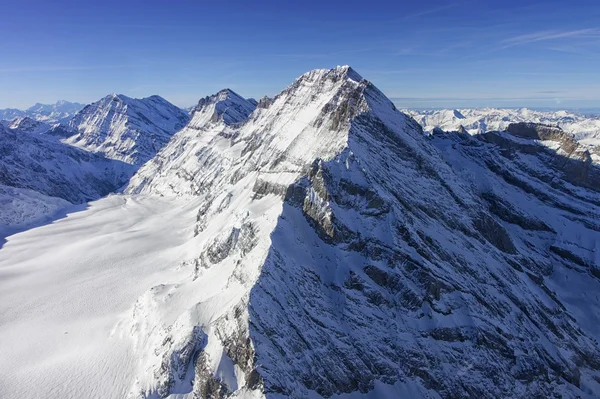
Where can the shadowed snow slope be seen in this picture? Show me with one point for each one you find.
(320, 246)
(56, 169)
(127, 129)
(26, 124)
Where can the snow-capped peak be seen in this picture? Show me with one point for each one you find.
(327, 202)
(128, 129)
(226, 106)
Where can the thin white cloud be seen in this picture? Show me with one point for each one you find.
(430, 11)
(549, 35)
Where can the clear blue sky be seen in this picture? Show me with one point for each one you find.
(423, 53)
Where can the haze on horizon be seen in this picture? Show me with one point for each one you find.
(422, 55)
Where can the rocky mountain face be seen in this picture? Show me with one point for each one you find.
(59, 112)
(226, 106)
(340, 250)
(54, 169)
(585, 128)
(126, 129)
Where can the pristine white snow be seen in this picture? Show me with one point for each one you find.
(65, 286)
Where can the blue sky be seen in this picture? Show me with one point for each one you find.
(423, 54)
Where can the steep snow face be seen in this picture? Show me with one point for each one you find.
(226, 106)
(323, 247)
(59, 112)
(57, 170)
(126, 129)
(26, 124)
(585, 128)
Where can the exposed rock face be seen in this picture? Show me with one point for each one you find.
(339, 248)
(126, 129)
(264, 102)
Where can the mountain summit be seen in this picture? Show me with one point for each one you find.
(127, 129)
(226, 106)
(350, 252)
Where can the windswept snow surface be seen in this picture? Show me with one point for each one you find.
(65, 286)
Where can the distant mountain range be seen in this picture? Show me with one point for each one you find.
(585, 128)
(49, 113)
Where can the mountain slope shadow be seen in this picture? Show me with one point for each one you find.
(384, 268)
(7, 231)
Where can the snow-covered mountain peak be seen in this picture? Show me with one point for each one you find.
(128, 129)
(338, 236)
(310, 119)
(336, 74)
(225, 106)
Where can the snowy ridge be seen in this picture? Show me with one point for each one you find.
(320, 246)
(126, 129)
(21, 208)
